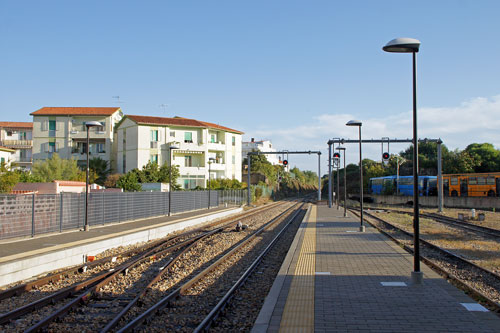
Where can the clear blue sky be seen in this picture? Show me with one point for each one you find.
(289, 71)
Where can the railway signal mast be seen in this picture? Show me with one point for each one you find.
(285, 163)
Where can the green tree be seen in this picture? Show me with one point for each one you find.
(129, 182)
(111, 180)
(28, 177)
(459, 162)
(56, 168)
(486, 157)
(8, 179)
(99, 170)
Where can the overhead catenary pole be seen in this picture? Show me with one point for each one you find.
(248, 179)
(440, 178)
(319, 176)
(329, 175)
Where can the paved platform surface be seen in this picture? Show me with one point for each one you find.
(336, 279)
(22, 248)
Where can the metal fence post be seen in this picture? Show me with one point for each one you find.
(61, 213)
(33, 216)
(102, 194)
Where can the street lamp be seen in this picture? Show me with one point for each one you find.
(359, 123)
(411, 45)
(340, 148)
(210, 161)
(88, 125)
(170, 148)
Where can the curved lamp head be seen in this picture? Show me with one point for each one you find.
(402, 45)
(92, 124)
(340, 148)
(211, 160)
(173, 146)
(354, 123)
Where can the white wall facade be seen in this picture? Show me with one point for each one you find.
(262, 146)
(68, 139)
(21, 140)
(196, 146)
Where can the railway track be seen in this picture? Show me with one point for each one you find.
(95, 295)
(453, 222)
(481, 282)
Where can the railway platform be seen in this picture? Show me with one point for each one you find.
(25, 258)
(336, 279)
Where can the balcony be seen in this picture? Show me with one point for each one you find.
(24, 160)
(17, 143)
(216, 146)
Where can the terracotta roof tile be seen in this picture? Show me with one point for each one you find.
(178, 121)
(75, 111)
(16, 124)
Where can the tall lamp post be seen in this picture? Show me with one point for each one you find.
(88, 125)
(359, 123)
(411, 45)
(210, 161)
(342, 149)
(170, 148)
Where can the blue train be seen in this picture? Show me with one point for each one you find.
(427, 185)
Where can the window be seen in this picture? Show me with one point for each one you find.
(52, 128)
(52, 147)
(212, 138)
(490, 180)
(153, 158)
(188, 137)
(234, 141)
(2, 160)
(124, 161)
(454, 181)
(172, 133)
(481, 180)
(101, 128)
(472, 180)
(9, 133)
(188, 161)
(154, 135)
(100, 148)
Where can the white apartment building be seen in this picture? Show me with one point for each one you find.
(142, 138)
(6, 156)
(19, 137)
(262, 146)
(62, 130)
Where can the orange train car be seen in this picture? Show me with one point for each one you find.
(472, 184)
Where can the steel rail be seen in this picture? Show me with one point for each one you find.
(101, 281)
(214, 313)
(444, 252)
(146, 315)
(20, 289)
(453, 222)
(153, 249)
(157, 278)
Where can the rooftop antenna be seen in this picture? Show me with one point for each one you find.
(164, 107)
(117, 99)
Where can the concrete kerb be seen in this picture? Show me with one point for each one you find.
(19, 267)
(264, 318)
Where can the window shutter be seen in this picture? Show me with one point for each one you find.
(159, 135)
(45, 125)
(45, 147)
(57, 146)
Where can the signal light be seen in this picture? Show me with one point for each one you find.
(285, 162)
(385, 156)
(336, 155)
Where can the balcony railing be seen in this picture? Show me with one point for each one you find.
(24, 160)
(17, 143)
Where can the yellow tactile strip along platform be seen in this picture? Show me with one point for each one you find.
(298, 314)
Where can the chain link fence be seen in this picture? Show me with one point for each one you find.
(36, 214)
